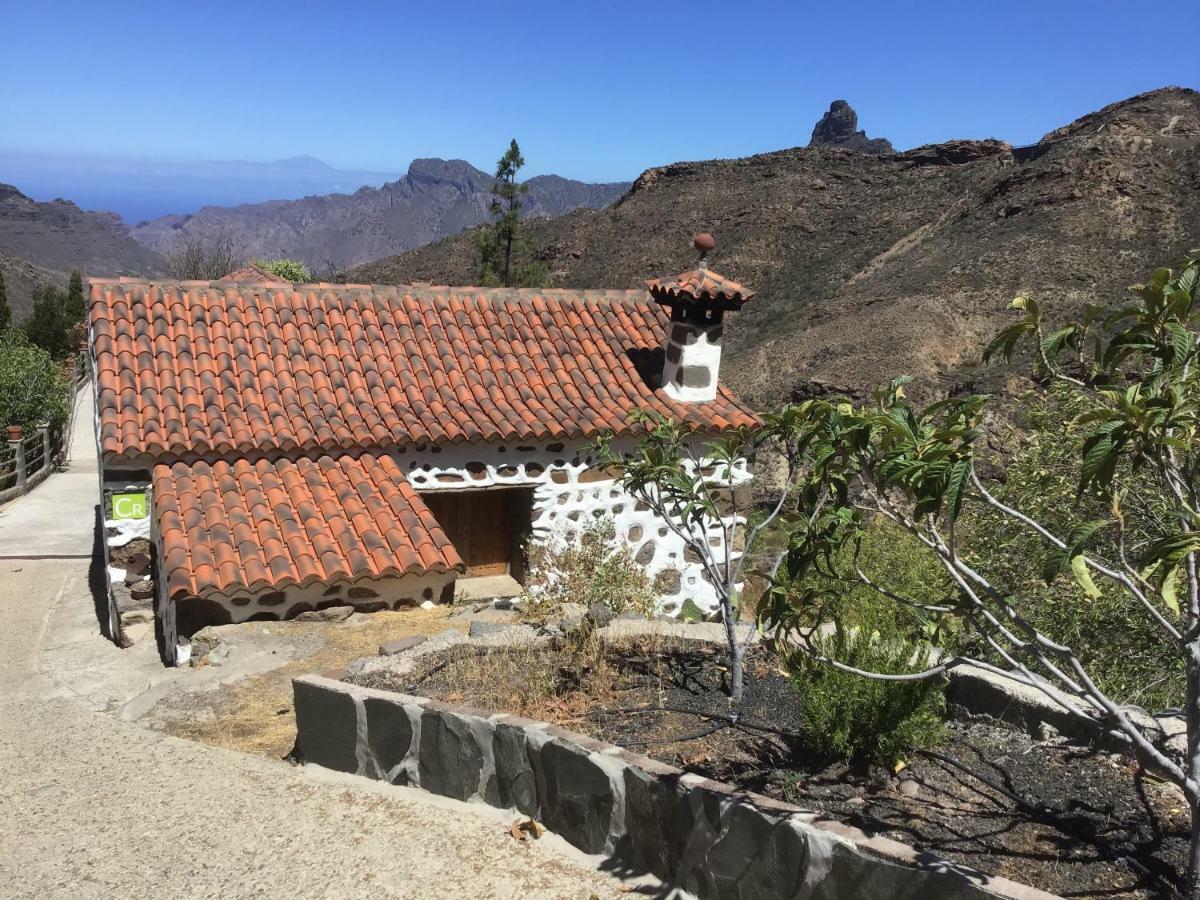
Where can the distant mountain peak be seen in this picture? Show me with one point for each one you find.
(436, 198)
(457, 171)
(839, 128)
(303, 163)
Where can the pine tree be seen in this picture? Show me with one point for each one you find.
(498, 244)
(47, 323)
(75, 308)
(5, 309)
(506, 206)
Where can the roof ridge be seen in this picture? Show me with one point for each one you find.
(412, 290)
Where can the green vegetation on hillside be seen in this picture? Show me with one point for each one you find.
(56, 323)
(291, 269)
(504, 254)
(5, 309)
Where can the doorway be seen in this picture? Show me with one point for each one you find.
(488, 527)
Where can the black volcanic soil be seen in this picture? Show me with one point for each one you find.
(1052, 814)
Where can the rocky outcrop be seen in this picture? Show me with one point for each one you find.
(42, 242)
(955, 153)
(869, 266)
(839, 128)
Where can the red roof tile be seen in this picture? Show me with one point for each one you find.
(698, 284)
(242, 526)
(221, 369)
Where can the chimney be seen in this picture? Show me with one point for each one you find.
(698, 301)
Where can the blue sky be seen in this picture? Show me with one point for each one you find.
(591, 90)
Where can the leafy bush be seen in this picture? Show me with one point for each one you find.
(291, 269)
(887, 555)
(590, 567)
(32, 387)
(1122, 650)
(848, 717)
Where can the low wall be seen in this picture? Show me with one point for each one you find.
(705, 837)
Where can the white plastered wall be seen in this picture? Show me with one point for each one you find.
(568, 491)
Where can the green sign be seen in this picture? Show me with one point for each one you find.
(129, 506)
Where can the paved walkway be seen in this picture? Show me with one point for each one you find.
(95, 806)
(56, 518)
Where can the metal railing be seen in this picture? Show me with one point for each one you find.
(26, 461)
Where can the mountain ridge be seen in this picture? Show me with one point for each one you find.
(433, 199)
(872, 265)
(41, 241)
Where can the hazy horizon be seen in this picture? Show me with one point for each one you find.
(594, 93)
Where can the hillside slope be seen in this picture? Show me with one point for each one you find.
(44, 241)
(872, 265)
(434, 199)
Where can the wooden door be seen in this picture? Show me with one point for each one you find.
(479, 524)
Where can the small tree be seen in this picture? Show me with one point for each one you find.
(32, 387)
(498, 243)
(692, 484)
(291, 269)
(5, 309)
(1135, 371)
(199, 260)
(335, 272)
(47, 325)
(74, 307)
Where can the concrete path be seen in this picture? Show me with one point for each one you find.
(94, 806)
(56, 518)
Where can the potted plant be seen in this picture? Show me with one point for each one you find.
(14, 432)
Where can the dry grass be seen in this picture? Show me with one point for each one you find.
(559, 685)
(255, 714)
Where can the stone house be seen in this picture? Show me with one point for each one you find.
(302, 446)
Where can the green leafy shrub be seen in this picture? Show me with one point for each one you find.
(1123, 651)
(887, 555)
(291, 269)
(32, 387)
(848, 717)
(592, 567)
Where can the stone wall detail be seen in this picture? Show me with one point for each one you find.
(570, 488)
(693, 356)
(289, 601)
(708, 838)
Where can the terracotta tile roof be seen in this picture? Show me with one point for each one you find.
(221, 369)
(698, 284)
(229, 527)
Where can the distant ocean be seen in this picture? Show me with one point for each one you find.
(139, 190)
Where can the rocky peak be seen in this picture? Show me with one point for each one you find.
(457, 172)
(839, 128)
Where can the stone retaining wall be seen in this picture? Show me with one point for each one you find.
(705, 837)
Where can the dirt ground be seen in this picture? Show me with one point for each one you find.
(254, 713)
(1053, 814)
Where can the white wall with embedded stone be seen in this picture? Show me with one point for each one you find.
(569, 488)
(692, 361)
(364, 594)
